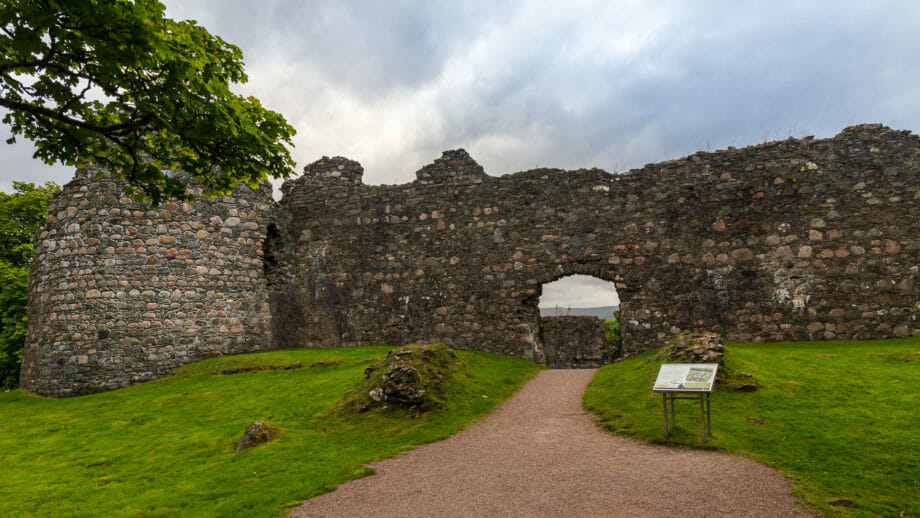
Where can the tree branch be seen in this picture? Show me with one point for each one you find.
(60, 117)
(76, 98)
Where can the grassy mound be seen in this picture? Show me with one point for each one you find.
(839, 418)
(168, 447)
(414, 377)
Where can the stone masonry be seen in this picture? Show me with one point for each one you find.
(120, 293)
(575, 342)
(789, 240)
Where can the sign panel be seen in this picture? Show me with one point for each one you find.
(686, 377)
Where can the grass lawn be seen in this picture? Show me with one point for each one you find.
(840, 419)
(166, 447)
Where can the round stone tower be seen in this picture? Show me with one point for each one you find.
(121, 293)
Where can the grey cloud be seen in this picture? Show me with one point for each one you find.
(17, 164)
(702, 74)
(365, 47)
(579, 291)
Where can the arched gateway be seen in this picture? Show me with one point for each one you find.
(796, 239)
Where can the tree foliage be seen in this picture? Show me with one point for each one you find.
(14, 284)
(612, 332)
(21, 214)
(116, 83)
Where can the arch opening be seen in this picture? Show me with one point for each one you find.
(579, 295)
(579, 325)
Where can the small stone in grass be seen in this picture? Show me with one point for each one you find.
(258, 433)
(843, 502)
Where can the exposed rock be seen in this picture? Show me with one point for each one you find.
(696, 348)
(411, 377)
(240, 370)
(742, 382)
(259, 368)
(401, 385)
(258, 433)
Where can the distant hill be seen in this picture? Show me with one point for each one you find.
(604, 312)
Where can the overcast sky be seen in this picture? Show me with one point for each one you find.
(609, 84)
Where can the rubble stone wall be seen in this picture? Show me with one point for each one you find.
(792, 240)
(575, 342)
(120, 293)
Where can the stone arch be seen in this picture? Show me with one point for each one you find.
(635, 324)
(577, 339)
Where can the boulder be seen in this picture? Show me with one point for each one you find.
(258, 433)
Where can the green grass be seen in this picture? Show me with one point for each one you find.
(840, 419)
(166, 447)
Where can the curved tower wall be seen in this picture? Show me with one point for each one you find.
(122, 293)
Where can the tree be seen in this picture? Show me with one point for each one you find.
(21, 214)
(115, 83)
(612, 334)
(14, 289)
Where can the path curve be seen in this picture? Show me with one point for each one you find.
(541, 454)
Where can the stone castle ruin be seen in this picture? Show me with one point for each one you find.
(790, 240)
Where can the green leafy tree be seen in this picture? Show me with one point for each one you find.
(21, 213)
(612, 333)
(14, 287)
(117, 84)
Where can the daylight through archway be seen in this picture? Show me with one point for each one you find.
(578, 325)
(579, 295)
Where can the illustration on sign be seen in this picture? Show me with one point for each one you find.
(686, 377)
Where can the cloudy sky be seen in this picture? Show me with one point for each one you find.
(610, 84)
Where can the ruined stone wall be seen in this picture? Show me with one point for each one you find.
(121, 293)
(575, 342)
(789, 240)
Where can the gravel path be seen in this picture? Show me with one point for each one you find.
(541, 454)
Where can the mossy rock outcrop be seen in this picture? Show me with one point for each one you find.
(414, 377)
(707, 348)
(259, 432)
(696, 348)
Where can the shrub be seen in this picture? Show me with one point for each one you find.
(612, 334)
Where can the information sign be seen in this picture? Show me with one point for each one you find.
(686, 377)
(695, 381)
